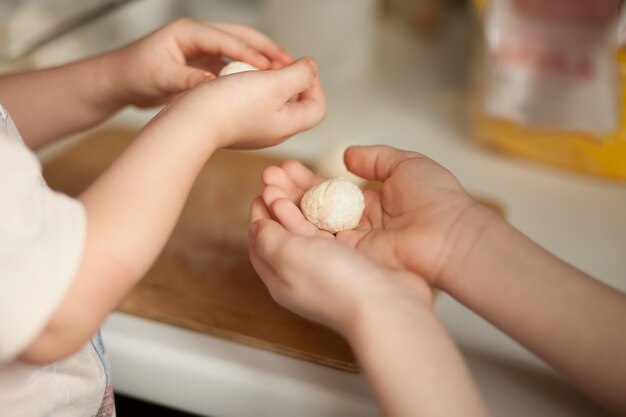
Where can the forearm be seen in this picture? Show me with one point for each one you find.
(573, 322)
(131, 211)
(51, 103)
(133, 207)
(413, 365)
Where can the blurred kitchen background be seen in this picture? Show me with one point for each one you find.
(420, 75)
(416, 51)
(461, 65)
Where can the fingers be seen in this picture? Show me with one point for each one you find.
(279, 86)
(278, 246)
(211, 63)
(268, 274)
(274, 205)
(193, 50)
(272, 193)
(292, 219)
(269, 238)
(282, 196)
(259, 216)
(293, 177)
(285, 211)
(375, 162)
(238, 42)
(290, 216)
(271, 245)
(185, 78)
(258, 210)
(278, 177)
(297, 77)
(300, 80)
(259, 41)
(305, 112)
(300, 175)
(265, 271)
(196, 38)
(275, 255)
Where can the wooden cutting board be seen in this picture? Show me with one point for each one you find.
(203, 279)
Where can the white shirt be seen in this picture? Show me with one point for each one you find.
(42, 235)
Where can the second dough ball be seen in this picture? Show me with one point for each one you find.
(235, 67)
(334, 205)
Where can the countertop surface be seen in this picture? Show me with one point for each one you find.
(419, 107)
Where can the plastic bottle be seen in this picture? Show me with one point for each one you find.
(550, 82)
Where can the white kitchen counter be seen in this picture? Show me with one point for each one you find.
(579, 218)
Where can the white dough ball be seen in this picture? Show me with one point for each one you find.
(334, 205)
(237, 66)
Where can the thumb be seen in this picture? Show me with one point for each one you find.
(297, 77)
(375, 162)
(184, 78)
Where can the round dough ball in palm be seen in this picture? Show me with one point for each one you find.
(334, 205)
(237, 66)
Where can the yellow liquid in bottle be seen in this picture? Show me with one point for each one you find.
(603, 155)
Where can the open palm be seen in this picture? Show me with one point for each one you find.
(411, 222)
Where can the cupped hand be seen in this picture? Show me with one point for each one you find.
(333, 292)
(413, 222)
(184, 54)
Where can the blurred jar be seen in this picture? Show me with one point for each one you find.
(550, 82)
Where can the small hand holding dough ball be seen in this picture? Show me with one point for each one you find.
(334, 205)
(237, 66)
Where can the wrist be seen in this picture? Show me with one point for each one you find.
(402, 295)
(174, 123)
(374, 321)
(471, 234)
(110, 85)
(99, 89)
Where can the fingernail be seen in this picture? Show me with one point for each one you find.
(195, 79)
(311, 64)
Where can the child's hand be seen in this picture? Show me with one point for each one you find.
(182, 55)
(415, 222)
(252, 109)
(385, 314)
(425, 222)
(333, 292)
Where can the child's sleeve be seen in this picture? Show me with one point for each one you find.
(42, 235)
